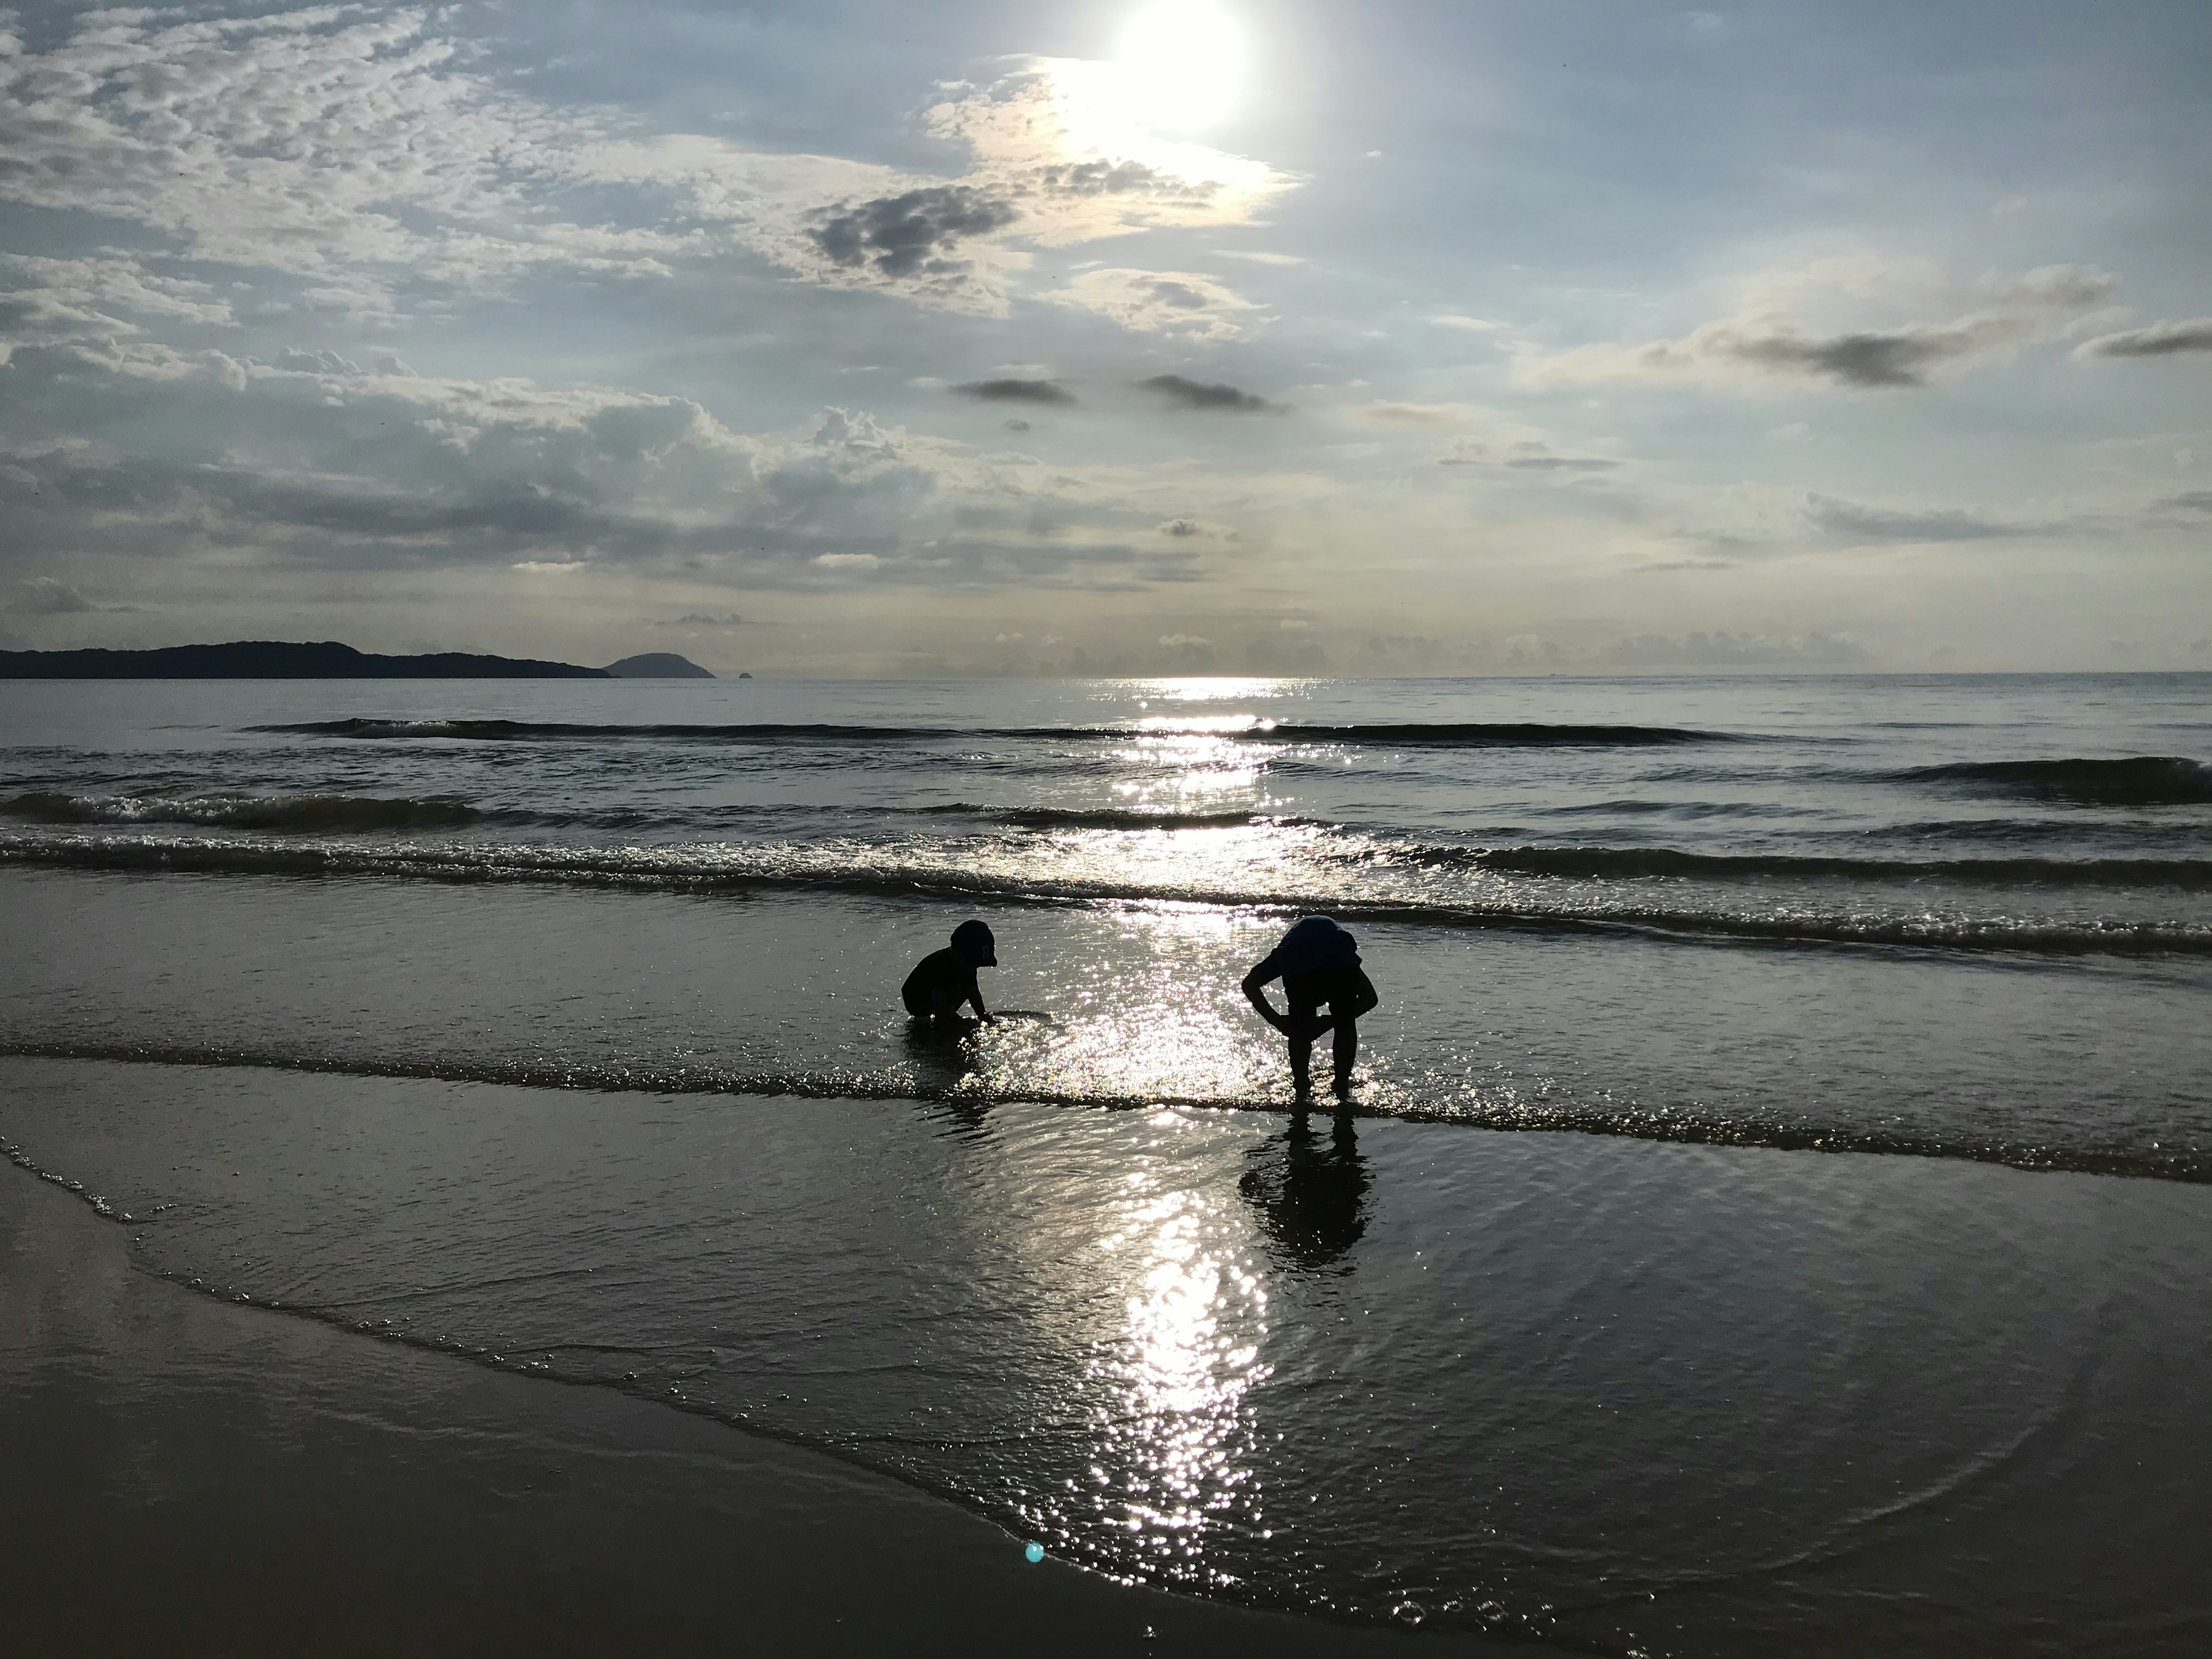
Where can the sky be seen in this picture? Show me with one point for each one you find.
(886, 337)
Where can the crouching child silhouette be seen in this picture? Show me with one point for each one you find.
(943, 982)
(1318, 962)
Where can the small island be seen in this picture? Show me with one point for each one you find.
(326, 659)
(660, 666)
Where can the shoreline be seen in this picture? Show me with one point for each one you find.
(194, 1475)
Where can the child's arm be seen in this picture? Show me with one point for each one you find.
(975, 996)
(1254, 991)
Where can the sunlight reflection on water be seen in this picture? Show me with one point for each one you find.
(1174, 1454)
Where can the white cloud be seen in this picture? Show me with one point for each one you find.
(1412, 413)
(46, 301)
(2169, 340)
(316, 143)
(1160, 301)
(322, 463)
(363, 154)
(1776, 336)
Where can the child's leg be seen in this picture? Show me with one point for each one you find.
(1347, 1051)
(1302, 1029)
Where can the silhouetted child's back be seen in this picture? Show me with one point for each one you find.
(943, 982)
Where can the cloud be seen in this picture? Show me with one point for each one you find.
(1412, 413)
(2167, 339)
(1722, 649)
(1562, 463)
(364, 157)
(1187, 529)
(1217, 397)
(910, 234)
(1764, 345)
(219, 136)
(1054, 161)
(1016, 392)
(1859, 523)
(44, 595)
(256, 467)
(1184, 642)
(1468, 324)
(1526, 455)
(1253, 255)
(47, 301)
(704, 619)
(1059, 136)
(1158, 301)
(2194, 500)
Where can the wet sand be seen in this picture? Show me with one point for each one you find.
(190, 1477)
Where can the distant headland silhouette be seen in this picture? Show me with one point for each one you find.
(327, 659)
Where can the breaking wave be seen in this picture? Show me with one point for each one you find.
(325, 814)
(887, 872)
(2138, 781)
(1069, 818)
(652, 1075)
(1607, 863)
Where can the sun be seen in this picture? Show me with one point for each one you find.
(1182, 63)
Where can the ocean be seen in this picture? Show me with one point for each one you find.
(1773, 1211)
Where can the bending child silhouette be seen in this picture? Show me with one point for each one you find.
(1318, 962)
(944, 980)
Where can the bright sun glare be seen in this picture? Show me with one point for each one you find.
(1183, 59)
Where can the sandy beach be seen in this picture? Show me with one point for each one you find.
(189, 1476)
(1761, 1388)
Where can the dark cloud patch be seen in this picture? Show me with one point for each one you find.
(1901, 358)
(1528, 457)
(2159, 340)
(1189, 529)
(510, 514)
(1878, 524)
(1016, 392)
(1180, 296)
(2194, 501)
(1120, 178)
(1562, 464)
(910, 234)
(1219, 398)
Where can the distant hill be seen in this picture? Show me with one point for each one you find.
(658, 666)
(276, 659)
